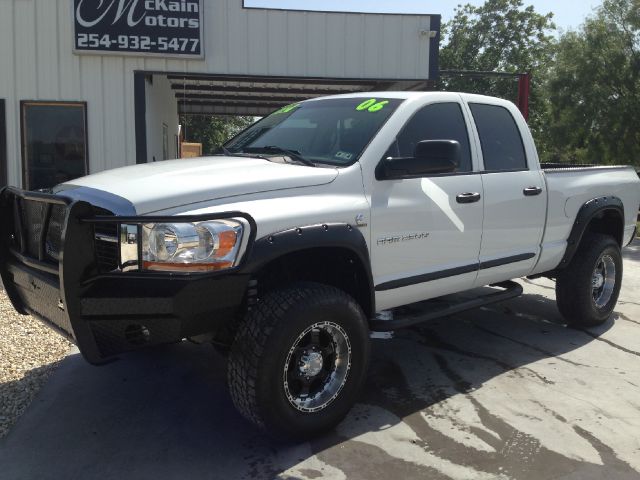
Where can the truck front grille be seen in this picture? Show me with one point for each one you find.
(38, 230)
(106, 243)
(31, 217)
(54, 233)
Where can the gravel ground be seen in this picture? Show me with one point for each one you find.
(29, 352)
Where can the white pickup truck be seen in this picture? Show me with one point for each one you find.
(304, 234)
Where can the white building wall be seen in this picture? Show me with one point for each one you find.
(37, 62)
(162, 109)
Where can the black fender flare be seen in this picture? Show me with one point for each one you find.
(586, 214)
(329, 235)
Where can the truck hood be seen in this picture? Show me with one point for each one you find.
(152, 187)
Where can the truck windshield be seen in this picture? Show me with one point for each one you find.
(332, 131)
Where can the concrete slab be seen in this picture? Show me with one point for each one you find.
(500, 392)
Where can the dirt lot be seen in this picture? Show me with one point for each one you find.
(29, 352)
(502, 392)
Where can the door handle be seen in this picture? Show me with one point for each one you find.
(532, 191)
(468, 198)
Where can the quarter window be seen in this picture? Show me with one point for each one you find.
(502, 146)
(439, 121)
(54, 143)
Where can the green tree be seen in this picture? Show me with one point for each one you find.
(500, 36)
(594, 88)
(212, 131)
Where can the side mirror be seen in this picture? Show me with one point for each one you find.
(431, 157)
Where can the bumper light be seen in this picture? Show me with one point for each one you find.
(191, 247)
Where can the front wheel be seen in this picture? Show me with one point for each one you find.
(299, 360)
(587, 290)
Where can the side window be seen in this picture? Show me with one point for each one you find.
(440, 121)
(502, 146)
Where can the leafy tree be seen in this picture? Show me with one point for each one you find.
(212, 131)
(500, 36)
(594, 88)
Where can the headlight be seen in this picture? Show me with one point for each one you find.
(191, 247)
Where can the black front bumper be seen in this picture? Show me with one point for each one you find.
(106, 314)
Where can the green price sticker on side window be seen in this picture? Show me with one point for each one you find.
(372, 105)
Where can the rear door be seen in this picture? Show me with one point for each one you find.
(515, 199)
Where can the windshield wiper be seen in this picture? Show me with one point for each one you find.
(289, 153)
(222, 150)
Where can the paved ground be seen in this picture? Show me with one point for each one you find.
(502, 392)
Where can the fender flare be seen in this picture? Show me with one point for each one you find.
(327, 235)
(586, 214)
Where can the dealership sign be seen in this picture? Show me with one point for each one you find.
(161, 27)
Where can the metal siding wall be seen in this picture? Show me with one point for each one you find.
(354, 45)
(258, 51)
(373, 32)
(69, 78)
(36, 51)
(297, 43)
(38, 62)
(7, 85)
(276, 24)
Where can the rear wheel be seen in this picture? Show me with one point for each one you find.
(587, 290)
(299, 360)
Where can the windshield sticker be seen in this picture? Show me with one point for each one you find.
(344, 155)
(372, 105)
(287, 109)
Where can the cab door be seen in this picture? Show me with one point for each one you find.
(515, 197)
(426, 232)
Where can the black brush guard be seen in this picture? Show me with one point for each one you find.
(105, 313)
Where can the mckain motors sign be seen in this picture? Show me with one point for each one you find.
(161, 27)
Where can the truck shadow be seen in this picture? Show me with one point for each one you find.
(166, 413)
(632, 252)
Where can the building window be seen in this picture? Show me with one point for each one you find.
(54, 143)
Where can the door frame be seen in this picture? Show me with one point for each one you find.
(4, 167)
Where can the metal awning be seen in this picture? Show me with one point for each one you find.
(202, 94)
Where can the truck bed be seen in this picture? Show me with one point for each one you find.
(569, 186)
(551, 167)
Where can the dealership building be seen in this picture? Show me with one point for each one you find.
(89, 85)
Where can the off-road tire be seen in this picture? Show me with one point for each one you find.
(261, 347)
(574, 289)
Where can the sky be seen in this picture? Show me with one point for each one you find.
(568, 14)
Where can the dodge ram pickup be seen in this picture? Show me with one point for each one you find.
(306, 231)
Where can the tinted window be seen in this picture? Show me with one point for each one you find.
(440, 121)
(54, 147)
(502, 146)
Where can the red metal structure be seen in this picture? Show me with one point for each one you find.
(524, 84)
